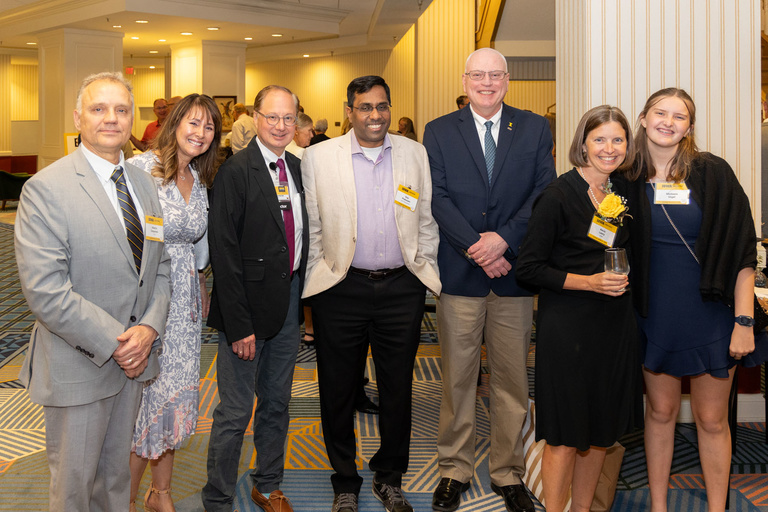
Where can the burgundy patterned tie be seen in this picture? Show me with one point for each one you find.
(290, 229)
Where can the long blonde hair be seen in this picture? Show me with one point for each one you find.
(680, 165)
(166, 146)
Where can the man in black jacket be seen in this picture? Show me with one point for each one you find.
(259, 246)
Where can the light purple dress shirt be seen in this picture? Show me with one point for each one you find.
(377, 245)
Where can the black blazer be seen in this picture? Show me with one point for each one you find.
(249, 252)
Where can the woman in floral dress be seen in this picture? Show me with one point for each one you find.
(182, 161)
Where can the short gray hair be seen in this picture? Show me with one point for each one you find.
(492, 50)
(303, 120)
(110, 76)
(321, 125)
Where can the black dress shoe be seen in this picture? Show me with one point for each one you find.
(515, 497)
(367, 406)
(447, 495)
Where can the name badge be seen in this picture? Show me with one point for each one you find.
(671, 193)
(406, 197)
(153, 228)
(602, 231)
(283, 197)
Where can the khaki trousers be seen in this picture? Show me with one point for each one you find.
(505, 325)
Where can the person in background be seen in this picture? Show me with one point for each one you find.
(172, 103)
(405, 128)
(321, 126)
(99, 289)
(303, 135)
(588, 391)
(462, 101)
(693, 282)
(160, 108)
(183, 163)
(243, 129)
(489, 162)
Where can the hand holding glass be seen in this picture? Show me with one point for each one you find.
(616, 262)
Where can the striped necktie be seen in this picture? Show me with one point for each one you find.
(490, 150)
(133, 229)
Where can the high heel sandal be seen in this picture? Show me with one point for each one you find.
(151, 490)
(132, 506)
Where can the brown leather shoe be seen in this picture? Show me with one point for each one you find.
(277, 501)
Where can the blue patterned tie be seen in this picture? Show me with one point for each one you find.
(490, 150)
(130, 217)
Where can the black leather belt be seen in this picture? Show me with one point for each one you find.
(377, 275)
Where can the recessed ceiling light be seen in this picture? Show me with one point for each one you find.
(277, 35)
(31, 43)
(142, 21)
(161, 40)
(306, 55)
(213, 28)
(151, 67)
(117, 26)
(152, 51)
(186, 33)
(134, 37)
(249, 39)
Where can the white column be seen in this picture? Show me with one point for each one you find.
(209, 67)
(621, 52)
(5, 105)
(67, 56)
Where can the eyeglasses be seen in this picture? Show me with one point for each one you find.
(479, 75)
(367, 108)
(273, 120)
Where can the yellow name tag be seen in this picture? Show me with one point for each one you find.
(602, 231)
(153, 229)
(283, 193)
(671, 193)
(406, 197)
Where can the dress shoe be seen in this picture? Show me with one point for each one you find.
(344, 502)
(391, 497)
(367, 406)
(447, 495)
(277, 501)
(515, 497)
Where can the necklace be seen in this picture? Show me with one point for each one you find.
(605, 188)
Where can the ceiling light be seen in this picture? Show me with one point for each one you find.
(186, 33)
(31, 43)
(142, 21)
(117, 26)
(151, 67)
(306, 55)
(161, 40)
(249, 39)
(277, 35)
(213, 28)
(134, 37)
(152, 51)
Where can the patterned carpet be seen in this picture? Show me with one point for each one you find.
(24, 468)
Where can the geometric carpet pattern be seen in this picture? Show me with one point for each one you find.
(24, 468)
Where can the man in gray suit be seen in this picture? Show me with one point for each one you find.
(95, 274)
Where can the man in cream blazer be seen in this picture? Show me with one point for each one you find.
(100, 306)
(372, 253)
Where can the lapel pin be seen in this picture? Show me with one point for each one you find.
(510, 126)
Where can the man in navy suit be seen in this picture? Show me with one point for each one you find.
(489, 163)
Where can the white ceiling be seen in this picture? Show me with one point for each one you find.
(313, 27)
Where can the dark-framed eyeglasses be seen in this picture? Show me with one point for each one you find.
(479, 75)
(367, 108)
(273, 120)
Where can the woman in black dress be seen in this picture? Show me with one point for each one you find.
(587, 357)
(693, 278)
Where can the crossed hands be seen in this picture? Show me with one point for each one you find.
(488, 252)
(133, 351)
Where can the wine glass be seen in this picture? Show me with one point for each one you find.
(616, 262)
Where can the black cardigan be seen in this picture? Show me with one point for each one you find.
(726, 242)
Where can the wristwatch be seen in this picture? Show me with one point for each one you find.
(746, 321)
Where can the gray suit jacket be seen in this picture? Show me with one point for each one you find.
(78, 276)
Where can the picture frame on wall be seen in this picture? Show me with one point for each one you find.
(225, 104)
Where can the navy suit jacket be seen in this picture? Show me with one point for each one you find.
(464, 204)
